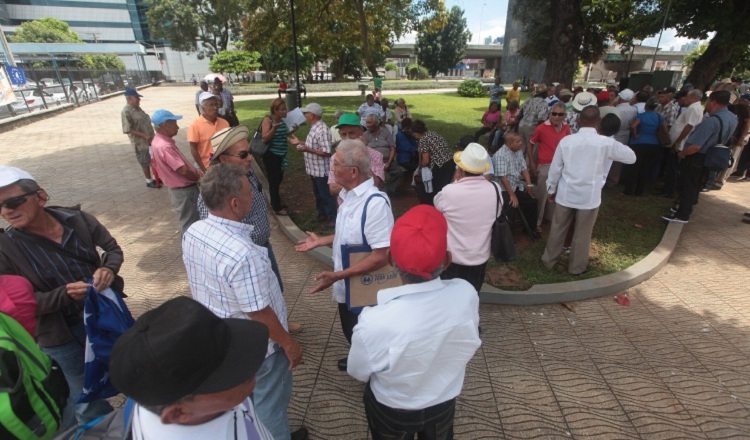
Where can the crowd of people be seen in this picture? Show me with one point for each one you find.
(546, 159)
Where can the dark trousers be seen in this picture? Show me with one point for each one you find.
(744, 162)
(483, 131)
(386, 423)
(637, 174)
(473, 274)
(441, 176)
(348, 321)
(671, 170)
(324, 201)
(275, 174)
(526, 204)
(689, 183)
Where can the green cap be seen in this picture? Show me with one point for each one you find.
(350, 119)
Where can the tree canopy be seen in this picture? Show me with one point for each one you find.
(205, 26)
(441, 41)
(45, 30)
(234, 61)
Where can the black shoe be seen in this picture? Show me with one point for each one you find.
(747, 214)
(300, 434)
(343, 363)
(579, 274)
(673, 218)
(152, 184)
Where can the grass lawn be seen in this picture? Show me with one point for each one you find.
(627, 229)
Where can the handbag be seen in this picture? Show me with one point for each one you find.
(502, 243)
(362, 290)
(256, 143)
(719, 157)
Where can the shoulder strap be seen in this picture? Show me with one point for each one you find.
(50, 247)
(721, 128)
(497, 193)
(364, 214)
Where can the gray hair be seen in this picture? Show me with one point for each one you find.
(373, 117)
(28, 185)
(410, 278)
(354, 154)
(696, 93)
(220, 183)
(158, 409)
(559, 104)
(337, 114)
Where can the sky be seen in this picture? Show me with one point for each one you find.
(486, 18)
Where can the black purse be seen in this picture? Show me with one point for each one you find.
(502, 243)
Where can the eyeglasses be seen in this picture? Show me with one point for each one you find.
(15, 202)
(557, 114)
(241, 154)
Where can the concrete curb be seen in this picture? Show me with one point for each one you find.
(542, 293)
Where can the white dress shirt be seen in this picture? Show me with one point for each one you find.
(413, 346)
(378, 226)
(239, 423)
(692, 115)
(575, 175)
(228, 273)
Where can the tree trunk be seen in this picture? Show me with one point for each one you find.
(706, 67)
(562, 60)
(365, 38)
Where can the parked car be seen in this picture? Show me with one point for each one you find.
(34, 100)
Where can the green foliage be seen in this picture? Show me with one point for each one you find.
(471, 88)
(45, 30)
(101, 62)
(415, 71)
(196, 25)
(281, 59)
(234, 61)
(441, 46)
(689, 60)
(391, 67)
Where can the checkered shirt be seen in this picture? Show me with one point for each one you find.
(258, 216)
(509, 164)
(226, 102)
(669, 111)
(229, 274)
(319, 139)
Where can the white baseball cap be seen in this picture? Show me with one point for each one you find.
(11, 175)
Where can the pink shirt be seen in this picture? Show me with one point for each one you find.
(490, 119)
(167, 159)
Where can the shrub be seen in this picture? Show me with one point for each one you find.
(472, 88)
(415, 71)
(391, 66)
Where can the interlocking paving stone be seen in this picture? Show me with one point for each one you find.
(675, 364)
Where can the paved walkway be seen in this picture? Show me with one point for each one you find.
(673, 364)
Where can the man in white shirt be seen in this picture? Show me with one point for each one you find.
(690, 116)
(351, 165)
(232, 277)
(574, 183)
(627, 114)
(470, 206)
(191, 373)
(413, 346)
(369, 107)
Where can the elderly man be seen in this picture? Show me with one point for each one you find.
(496, 92)
(350, 128)
(379, 138)
(716, 129)
(512, 173)
(351, 163)
(177, 173)
(411, 349)
(202, 129)
(574, 183)
(203, 88)
(137, 125)
(227, 103)
(317, 152)
(466, 205)
(56, 249)
(232, 276)
(180, 395)
(667, 107)
(688, 119)
(534, 113)
(369, 107)
(545, 140)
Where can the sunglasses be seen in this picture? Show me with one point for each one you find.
(557, 114)
(241, 154)
(15, 202)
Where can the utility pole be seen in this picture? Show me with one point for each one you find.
(6, 49)
(663, 24)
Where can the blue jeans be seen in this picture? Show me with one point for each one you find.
(71, 358)
(272, 394)
(324, 201)
(274, 265)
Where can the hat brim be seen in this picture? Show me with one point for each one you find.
(463, 166)
(246, 352)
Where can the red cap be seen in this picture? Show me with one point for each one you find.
(603, 96)
(419, 240)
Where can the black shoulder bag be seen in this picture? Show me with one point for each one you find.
(502, 243)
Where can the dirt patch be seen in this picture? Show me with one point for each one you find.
(505, 277)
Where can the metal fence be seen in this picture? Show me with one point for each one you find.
(50, 87)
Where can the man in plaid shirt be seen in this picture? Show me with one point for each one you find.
(317, 152)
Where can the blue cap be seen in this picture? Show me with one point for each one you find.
(161, 116)
(132, 92)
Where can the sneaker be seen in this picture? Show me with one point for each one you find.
(673, 218)
(152, 184)
(705, 190)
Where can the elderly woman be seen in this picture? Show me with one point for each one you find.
(275, 132)
(401, 111)
(645, 144)
(434, 154)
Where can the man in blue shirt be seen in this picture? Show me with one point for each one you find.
(715, 129)
(496, 92)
